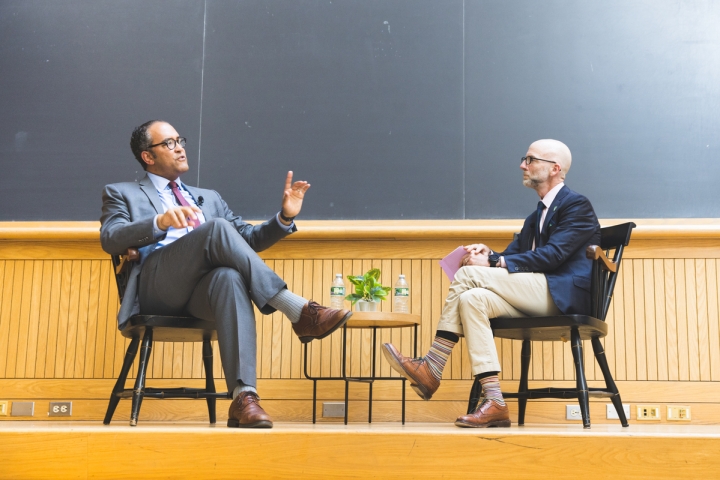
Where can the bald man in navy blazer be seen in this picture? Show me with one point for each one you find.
(198, 258)
(542, 272)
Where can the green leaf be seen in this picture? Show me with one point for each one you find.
(353, 298)
(374, 273)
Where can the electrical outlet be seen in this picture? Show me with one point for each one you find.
(333, 410)
(60, 409)
(648, 412)
(572, 412)
(4, 408)
(677, 413)
(611, 413)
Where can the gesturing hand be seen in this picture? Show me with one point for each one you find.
(176, 217)
(293, 195)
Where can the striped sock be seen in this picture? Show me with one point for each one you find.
(438, 354)
(491, 389)
(289, 304)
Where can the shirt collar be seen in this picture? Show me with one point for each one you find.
(161, 183)
(550, 196)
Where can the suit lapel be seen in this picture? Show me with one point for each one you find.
(553, 209)
(204, 207)
(148, 188)
(531, 231)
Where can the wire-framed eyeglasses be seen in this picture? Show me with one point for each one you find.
(529, 159)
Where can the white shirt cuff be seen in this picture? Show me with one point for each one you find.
(157, 232)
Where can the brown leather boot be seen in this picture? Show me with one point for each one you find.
(487, 414)
(318, 322)
(246, 412)
(414, 369)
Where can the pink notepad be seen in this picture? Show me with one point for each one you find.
(453, 261)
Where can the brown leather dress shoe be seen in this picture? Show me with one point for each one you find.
(318, 322)
(246, 412)
(414, 369)
(487, 414)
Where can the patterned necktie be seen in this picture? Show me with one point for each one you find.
(540, 208)
(179, 197)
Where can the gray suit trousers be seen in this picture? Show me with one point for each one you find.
(213, 274)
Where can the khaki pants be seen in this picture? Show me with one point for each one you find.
(480, 293)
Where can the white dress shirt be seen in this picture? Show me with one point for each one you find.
(162, 185)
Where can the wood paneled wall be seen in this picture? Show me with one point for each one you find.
(58, 302)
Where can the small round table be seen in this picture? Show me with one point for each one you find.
(373, 320)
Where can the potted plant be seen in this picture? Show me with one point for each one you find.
(368, 291)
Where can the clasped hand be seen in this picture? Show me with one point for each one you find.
(477, 255)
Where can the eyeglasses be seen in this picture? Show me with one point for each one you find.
(529, 159)
(171, 142)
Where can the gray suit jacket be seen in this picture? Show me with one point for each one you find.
(129, 210)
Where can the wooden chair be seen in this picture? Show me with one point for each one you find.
(574, 328)
(160, 329)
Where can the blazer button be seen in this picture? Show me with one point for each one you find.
(516, 269)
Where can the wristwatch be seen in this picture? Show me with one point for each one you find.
(287, 219)
(494, 259)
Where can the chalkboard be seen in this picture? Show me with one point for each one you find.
(399, 109)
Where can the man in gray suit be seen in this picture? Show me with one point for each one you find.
(198, 258)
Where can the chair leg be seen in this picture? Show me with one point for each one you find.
(139, 389)
(475, 393)
(609, 382)
(209, 380)
(581, 384)
(120, 384)
(525, 354)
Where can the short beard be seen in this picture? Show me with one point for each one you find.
(531, 183)
(541, 177)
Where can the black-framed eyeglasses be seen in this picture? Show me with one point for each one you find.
(171, 142)
(529, 159)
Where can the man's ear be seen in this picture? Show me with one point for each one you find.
(147, 157)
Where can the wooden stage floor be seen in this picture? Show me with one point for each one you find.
(44, 450)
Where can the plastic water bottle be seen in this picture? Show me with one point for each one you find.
(401, 300)
(337, 292)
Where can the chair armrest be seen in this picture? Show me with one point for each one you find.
(596, 253)
(131, 255)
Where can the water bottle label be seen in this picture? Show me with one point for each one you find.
(402, 292)
(337, 291)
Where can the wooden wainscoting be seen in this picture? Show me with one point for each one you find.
(58, 302)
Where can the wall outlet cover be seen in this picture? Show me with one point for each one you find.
(572, 412)
(333, 410)
(678, 413)
(611, 413)
(648, 412)
(23, 409)
(60, 409)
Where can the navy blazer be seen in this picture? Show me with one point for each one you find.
(570, 226)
